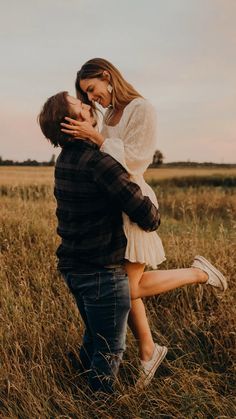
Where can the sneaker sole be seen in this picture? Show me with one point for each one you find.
(215, 271)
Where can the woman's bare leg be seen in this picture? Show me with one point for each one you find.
(138, 321)
(144, 284)
(139, 326)
(157, 282)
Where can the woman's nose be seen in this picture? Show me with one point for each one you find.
(90, 96)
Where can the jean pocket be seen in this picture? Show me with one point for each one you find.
(85, 284)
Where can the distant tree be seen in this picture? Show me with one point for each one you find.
(53, 160)
(157, 158)
(28, 162)
(7, 162)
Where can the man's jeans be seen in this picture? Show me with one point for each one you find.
(103, 300)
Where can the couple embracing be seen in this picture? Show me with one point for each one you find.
(107, 220)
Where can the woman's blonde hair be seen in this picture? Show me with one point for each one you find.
(122, 91)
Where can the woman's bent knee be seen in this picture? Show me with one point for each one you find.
(134, 292)
(134, 272)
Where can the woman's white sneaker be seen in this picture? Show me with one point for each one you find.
(148, 368)
(215, 277)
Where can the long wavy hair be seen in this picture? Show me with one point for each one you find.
(122, 91)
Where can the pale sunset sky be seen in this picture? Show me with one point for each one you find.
(180, 54)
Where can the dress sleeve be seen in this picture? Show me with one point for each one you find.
(136, 148)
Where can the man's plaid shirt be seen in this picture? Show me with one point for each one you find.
(92, 189)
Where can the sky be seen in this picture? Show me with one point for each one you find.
(179, 54)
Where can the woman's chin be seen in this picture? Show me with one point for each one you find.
(104, 104)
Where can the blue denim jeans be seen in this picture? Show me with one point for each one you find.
(103, 300)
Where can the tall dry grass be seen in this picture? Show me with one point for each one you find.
(15, 175)
(40, 323)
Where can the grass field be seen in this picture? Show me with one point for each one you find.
(43, 175)
(172, 172)
(40, 323)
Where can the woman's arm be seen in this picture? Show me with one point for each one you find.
(136, 148)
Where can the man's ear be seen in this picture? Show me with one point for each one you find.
(106, 75)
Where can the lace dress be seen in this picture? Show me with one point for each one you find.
(132, 142)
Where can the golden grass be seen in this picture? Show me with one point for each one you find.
(17, 175)
(40, 323)
(166, 173)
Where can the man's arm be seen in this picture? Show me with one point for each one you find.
(114, 179)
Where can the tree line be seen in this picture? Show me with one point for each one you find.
(158, 160)
(28, 162)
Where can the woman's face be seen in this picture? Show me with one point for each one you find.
(80, 109)
(96, 90)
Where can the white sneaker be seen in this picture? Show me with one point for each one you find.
(148, 368)
(215, 277)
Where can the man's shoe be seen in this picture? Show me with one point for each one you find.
(215, 277)
(148, 368)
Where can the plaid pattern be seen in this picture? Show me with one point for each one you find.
(92, 189)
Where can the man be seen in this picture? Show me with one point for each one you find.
(92, 189)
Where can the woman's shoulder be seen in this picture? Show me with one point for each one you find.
(139, 103)
(139, 107)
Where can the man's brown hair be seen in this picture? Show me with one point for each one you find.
(52, 114)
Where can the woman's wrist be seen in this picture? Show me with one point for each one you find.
(99, 139)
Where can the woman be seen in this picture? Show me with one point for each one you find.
(128, 135)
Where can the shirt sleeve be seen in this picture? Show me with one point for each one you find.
(138, 144)
(114, 180)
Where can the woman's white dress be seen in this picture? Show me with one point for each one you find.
(132, 142)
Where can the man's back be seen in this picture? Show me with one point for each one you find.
(92, 189)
